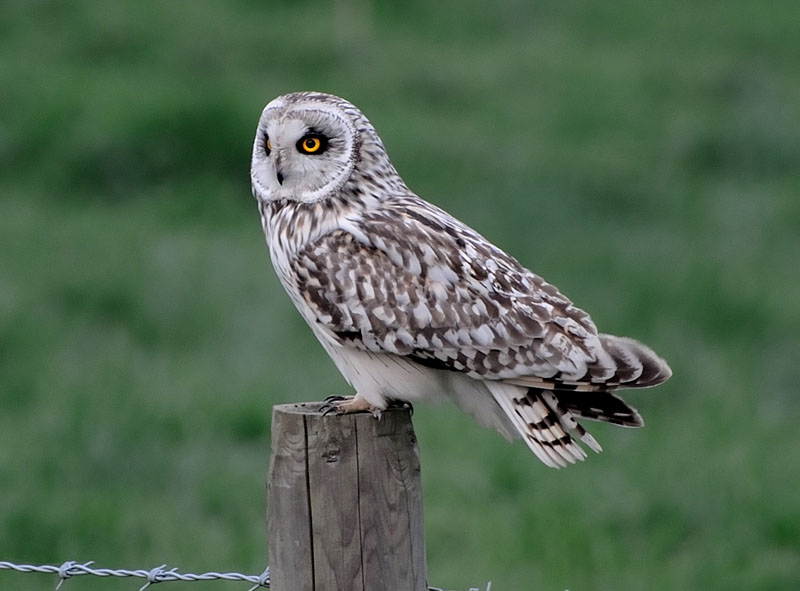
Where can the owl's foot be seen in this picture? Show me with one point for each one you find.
(341, 405)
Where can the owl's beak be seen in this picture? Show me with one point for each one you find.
(278, 172)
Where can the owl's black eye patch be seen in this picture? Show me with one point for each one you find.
(267, 145)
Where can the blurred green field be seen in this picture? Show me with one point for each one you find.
(644, 157)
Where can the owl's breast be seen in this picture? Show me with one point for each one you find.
(289, 228)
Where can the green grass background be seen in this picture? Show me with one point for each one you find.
(643, 156)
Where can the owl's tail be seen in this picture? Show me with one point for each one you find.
(544, 412)
(547, 419)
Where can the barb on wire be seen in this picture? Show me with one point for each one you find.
(158, 574)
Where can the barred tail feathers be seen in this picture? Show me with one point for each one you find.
(600, 406)
(547, 427)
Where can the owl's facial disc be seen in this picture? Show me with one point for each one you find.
(302, 152)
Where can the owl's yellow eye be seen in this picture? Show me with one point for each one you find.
(312, 144)
(269, 145)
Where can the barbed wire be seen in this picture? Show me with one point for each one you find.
(488, 588)
(159, 574)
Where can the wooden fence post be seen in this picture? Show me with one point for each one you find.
(344, 502)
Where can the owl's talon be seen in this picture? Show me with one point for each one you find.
(335, 398)
(331, 404)
(396, 403)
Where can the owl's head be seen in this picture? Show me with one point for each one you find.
(308, 145)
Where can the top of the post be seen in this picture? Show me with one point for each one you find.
(317, 408)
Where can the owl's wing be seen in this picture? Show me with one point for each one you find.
(409, 279)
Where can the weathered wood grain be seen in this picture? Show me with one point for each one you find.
(288, 511)
(333, 481)
(344, 493)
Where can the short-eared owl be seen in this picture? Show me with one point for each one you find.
(412, 304)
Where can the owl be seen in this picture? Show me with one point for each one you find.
(413, 305)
